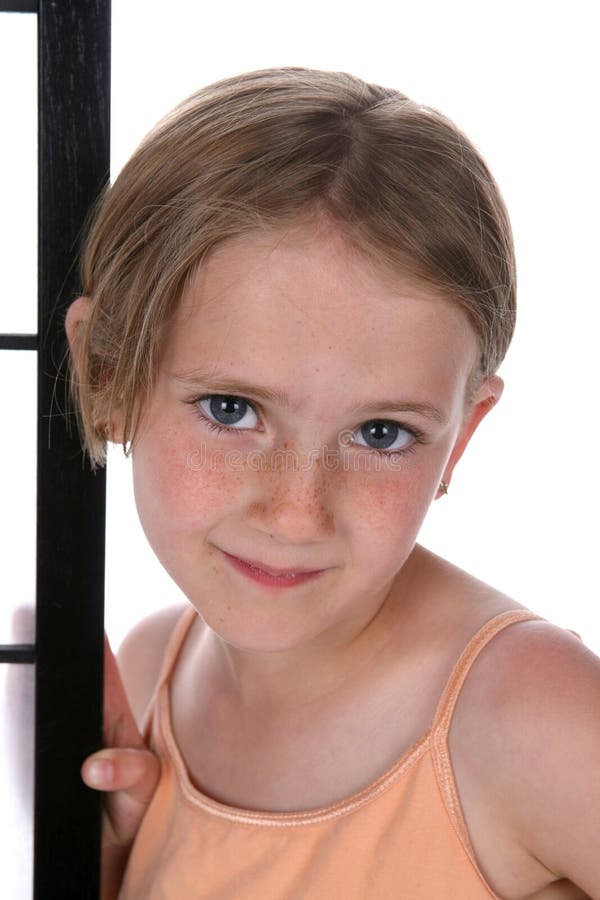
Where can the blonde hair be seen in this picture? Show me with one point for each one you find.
(400, 179)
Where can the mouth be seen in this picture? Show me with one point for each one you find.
(264, 574)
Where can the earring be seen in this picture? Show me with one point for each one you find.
(444, 487)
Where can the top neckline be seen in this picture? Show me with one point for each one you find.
(437, 730)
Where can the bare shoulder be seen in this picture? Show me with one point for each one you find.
(463, 601)
(141, 653)
(525, 743)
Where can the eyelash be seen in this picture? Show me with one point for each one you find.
(417, 435)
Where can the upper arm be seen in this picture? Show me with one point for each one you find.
(539, 708)
(140, 656)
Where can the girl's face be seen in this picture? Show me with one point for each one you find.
(306, 408)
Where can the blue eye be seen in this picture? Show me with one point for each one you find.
(228, 411)
(224, 413)
(382, 435)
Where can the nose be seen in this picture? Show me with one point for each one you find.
(292, 498)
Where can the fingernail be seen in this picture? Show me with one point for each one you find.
(100, 772)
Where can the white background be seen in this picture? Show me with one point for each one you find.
(520, 79)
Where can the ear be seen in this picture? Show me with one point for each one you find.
(486, 397)
(78, 314)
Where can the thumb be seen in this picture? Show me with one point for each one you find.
(128, 777)
(123, 769)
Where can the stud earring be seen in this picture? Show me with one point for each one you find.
(444, 487)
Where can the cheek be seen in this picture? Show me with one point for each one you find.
(179, 484)
(389, 506)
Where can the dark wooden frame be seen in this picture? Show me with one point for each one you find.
(73, 162)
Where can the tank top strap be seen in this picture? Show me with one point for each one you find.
(480, 639)
(170, 656)
(443, 717)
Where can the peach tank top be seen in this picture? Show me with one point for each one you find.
(402, 837)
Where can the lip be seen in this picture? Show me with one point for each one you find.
(268, 576)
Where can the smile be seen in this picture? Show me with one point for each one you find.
(269, 576)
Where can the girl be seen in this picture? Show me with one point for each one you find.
(297, 295)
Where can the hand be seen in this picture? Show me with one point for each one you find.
(126, 771)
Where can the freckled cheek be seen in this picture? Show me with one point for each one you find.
(182, 485)
(386, 503)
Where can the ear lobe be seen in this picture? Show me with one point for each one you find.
(488, 394)
(116, 429)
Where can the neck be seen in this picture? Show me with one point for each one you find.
(310, 672)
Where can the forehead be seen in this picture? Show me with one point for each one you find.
(289, 304)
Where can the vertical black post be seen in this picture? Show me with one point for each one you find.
(74, 73)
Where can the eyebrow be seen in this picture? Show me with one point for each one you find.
(215, 383)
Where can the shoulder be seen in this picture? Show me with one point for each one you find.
(141, 654)
(527, 731)
(465, 601)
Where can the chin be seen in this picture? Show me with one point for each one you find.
(256, 634)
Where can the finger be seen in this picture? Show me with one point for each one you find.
(123, 769)
(129, 778)
(120, 728)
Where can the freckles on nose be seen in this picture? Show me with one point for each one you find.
(299, 509)
(279, 500)
(313, 504)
